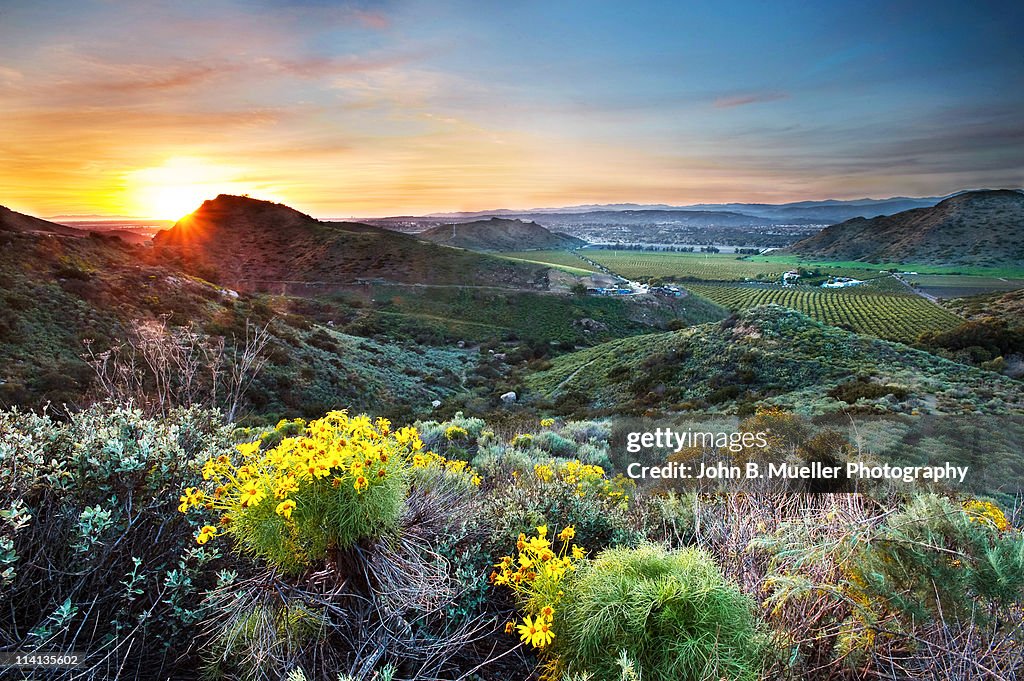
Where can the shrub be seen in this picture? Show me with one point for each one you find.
(455, 438)
(559, 494)
(852, 391)
(895, 589)
(934, 559)
(92, 556)
(343, 480)
(673, 613)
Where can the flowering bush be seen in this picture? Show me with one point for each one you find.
(585, 479)
(341, 480)
(535, 575)
(986, 512)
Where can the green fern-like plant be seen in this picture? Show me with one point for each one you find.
(672, 614)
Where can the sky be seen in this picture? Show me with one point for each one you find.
(145, 108)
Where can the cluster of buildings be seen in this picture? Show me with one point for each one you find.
(669, 291)
(609, 291)
(841, 282)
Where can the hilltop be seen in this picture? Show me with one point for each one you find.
(11, 221)
(774, 355)
(978, 228)
(250, 244)
(500, 234)
(58, 292)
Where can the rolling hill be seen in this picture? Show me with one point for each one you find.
(980, 228)
(11, 221)
(254, 245)
(500, 234)
(59, 291)
(774, 355)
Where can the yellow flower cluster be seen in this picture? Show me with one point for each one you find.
(455, 433)
(332, 452)
(535, 575)
(522, 440)
(986, 512)
(585, 478)
(547, 423)
(428, 460)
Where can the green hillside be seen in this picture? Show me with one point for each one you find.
(775, 355)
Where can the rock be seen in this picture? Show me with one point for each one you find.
(590, 325)
(509, 397)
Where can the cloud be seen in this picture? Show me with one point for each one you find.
(371, 19)
(140, 78)
(734, 101)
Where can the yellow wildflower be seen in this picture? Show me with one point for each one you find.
(528, 630)
(191, 497)
(544, 634)
(285, 508)
(206, 533)
(251, 494)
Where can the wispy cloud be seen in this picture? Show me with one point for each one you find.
(733, 101)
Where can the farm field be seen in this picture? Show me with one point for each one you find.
(958, 286)
(893, 316)
(784, 262)
(563, 260)
(705, 266)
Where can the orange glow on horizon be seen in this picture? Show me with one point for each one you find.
(179, 186)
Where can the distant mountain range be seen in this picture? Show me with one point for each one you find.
(826, 211)
(499, 234)
(978, 228)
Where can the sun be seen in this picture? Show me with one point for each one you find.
(177, 187)
(173, 202)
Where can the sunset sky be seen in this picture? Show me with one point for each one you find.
(140, 108)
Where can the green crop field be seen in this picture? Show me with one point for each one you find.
(702, 266)
(563, 260)
(893, 316)
(790, 261)
(957, 286)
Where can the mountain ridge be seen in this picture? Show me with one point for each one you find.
(978, 228)
(282, 246)
(499, 234)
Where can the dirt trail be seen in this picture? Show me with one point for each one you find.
(926, 296)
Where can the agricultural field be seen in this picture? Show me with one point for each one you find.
(784, 262)
(959, 286)
(890, 315)
(702, 266)
(563, 260)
